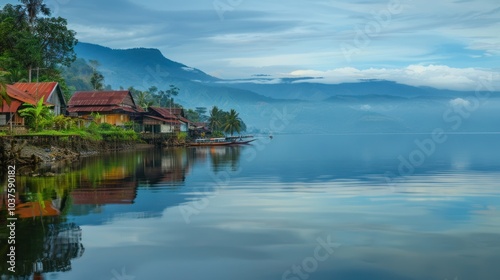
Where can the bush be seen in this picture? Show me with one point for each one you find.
(106, 127)
(217, 134)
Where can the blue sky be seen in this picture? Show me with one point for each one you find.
(445, 43)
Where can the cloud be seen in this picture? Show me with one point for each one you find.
(438, 76)
(271, 37)
(459, 102)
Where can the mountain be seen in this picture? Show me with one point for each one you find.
(312, 89)
(143, 68)
(121, 67)
(300, 105)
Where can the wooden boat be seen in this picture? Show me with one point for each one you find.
(203, 142)
(242, 142)
(232, 140)
(239, 140)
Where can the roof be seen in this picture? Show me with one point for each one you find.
(37, 90)
(18, 98)
(164, 112)
(170, 113)
(91, 109)
(169, 121)
(103, 101)
(95, 98)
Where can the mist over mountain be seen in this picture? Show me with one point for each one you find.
(304, 104)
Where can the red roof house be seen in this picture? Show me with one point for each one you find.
(50, 91)
(9, 112)
(115, 107)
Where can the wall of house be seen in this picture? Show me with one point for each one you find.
(115, 119)
(184, 127)
(166, 128)
(54, 99)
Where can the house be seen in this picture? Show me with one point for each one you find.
(50, 91)
(9, 113)
(114, 107)
(179, 113)
(160, 120)
(165, 120)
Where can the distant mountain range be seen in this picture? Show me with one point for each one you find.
(369, 105)
(143, 67)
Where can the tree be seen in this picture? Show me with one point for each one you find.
(36, 114)
(201, 113)
(33, 42)
(97, 79)
(142, 98)
(31, 8)
(3, 89)
(192, 115)
(232, 122)
(215, 119)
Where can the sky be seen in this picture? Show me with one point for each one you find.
(451, 44)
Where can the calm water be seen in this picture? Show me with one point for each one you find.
(295, 207)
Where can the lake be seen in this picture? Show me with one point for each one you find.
(335, 206)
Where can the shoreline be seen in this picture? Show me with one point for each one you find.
(43, 150)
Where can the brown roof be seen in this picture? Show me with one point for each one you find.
(170, 121)
(96, 98)
(100, 109)
(102, 101)
(164, 112)
(37, 90)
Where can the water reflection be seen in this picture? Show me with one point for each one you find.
(52, 209)
(123, 211)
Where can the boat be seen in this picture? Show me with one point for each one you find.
(239, 140)
(202, 142)
(230, 140)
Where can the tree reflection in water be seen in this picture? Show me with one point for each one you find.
(45, 240)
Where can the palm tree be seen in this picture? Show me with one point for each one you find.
(31, 9)
(144, 99)
(232, 122)
(215, 119)
(37, 113)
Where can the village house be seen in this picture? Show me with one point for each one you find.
(179, 113)
(9, 113)
(50, 91)
(162, 120)
(113, 107)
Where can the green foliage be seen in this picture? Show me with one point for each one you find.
(64, 123)
(38, 116)
(216, 118)
(78, 75)
(3, 89)
(232, 122)
(229, 122)
(106, 127)
(192, 115)
(217, 134)
(30, 41)
(155, 97)
(181, 137)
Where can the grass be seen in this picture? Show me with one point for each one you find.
(102, 132)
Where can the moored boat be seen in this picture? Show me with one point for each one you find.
(210, 142)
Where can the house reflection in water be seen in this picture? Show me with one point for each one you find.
(167, 168)
(45, 242)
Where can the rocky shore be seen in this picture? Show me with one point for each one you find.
(31, 152)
